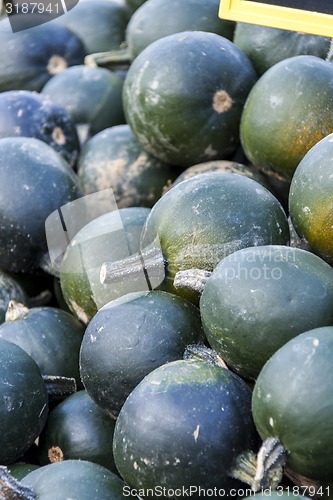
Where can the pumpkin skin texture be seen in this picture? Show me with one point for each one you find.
(52, 337)
(286, 113)
(77, 429)
(92, 96)
(29, 58)
(184, 425)
(28, 114)
(157, 18)
(310, 199)
(258, 298)
(184, 94)
(100, 240)
(34, 182)
(266, 46)
(292, 400)
(203, 219)
(100, 25)
(116, 355)
(10, 289)
(25, 402)
(76, 479)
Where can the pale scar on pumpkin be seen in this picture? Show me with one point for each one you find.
(222, 101)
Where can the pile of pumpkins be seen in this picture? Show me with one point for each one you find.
(166, 251)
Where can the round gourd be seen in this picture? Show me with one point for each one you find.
(310, 199)
(109, 237)
(133, 5)
(35, 181)
(293, 401)
(158, 18)
(259, 298)
(99, 24)
(24, 407)
(115, 159)
(116, 354)
(19, 470)
(28, 114)
(184, 94)
(10, 289)
(92, 96)
(77, 479)
(29, 58)
(203, 219)
(184, 426)
(50, 335)
(266, 46)
(286, 113)
(77, 429)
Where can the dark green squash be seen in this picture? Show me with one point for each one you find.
(99, 24)
(24, 407)
(35, 181)
(131, 336)
(77, 429)
(286, 113)
(27, 114)
(293, 402)
(258, 298)
(92, 96)
(183, 428)
(20, 470)
(76, 479)
(50, 335)
(133, 5)
(109, 237)
(157, 18)
(10, 289)
(202, 220)
(183, 97)
(115, 159)
(266, 46)
(29, 58)
(310, 199)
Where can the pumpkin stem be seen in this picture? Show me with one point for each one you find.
(112, 60)
(16, 310)
(58, 388)
(12, 489)
(150, 263)
(330, 52)
(192, 279)
(264, 470)
(200, 351)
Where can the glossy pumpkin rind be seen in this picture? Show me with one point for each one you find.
(184, 425)
(258, 298)
(51, 336)
(292, 400)
(29, 58)
(310, 199)
(25, 404)
(91, 96)
(114, 158)
(156, 19)
(286, 113)
(74, 479)
(117, 354)
(77, 429)
(203, 219)
(38, 181)
(266, 46)
(184, 94)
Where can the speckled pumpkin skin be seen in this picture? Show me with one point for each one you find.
(310, 199)
(286, 113)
